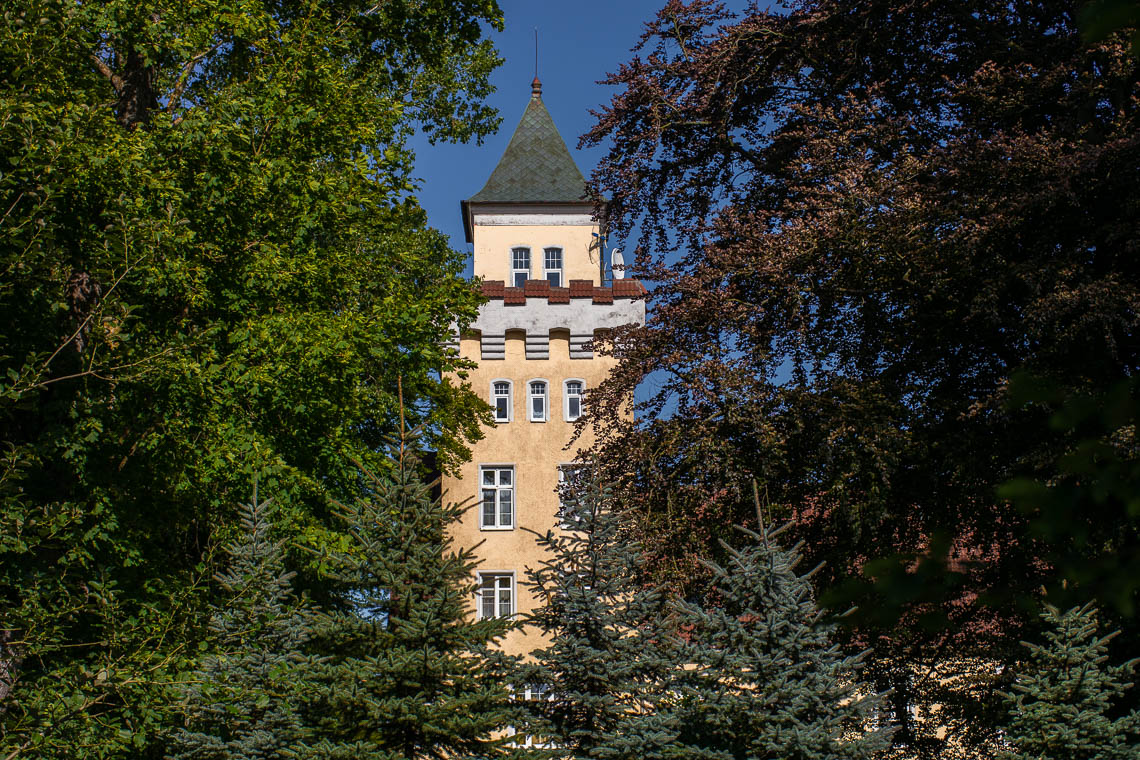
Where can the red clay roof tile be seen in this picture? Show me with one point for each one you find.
(628, 289)
(581, 288)
(536, 288)
(496, 289)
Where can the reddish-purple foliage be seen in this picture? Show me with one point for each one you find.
(862, 218)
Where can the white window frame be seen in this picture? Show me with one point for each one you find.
(529, 740)
(531, 395)
(566, 398)
(549, 270)
(515, 269)
(510, 400)
(498, 523)
(510, 588)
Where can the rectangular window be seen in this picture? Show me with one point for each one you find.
(496, 595)
(497, 509)
(535, 692)
(552, 265)
(501, 400)
(520, 266)
(573, 392)
(537, 404)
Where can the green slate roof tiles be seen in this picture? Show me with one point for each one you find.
(536, 167)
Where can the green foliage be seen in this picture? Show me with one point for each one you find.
(1065, 703)
(1101, 18)
(766, 680)
(243, 701)
(409, 674)
(607, 665)
(1084, 519)
(212, 266)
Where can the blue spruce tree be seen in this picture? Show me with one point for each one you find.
(410, 673)
(243, 702)
(763, 680)
(605, 672)
(1062, 704)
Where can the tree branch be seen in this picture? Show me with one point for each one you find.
(101, 65)
(184, 77)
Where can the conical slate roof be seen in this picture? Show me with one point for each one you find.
(536, 167)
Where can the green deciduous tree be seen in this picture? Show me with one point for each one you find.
(212, 264)
(243, 701)
(409, 674)
(608, 661)
(1065, 704)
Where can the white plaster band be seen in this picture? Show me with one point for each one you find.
(538, 317)
(578, 343)
(533, 220)
(493, 346)
(538, 346)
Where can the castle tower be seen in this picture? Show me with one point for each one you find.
(538, 250)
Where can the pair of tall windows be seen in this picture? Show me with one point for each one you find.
(538, 400)
(551, 266)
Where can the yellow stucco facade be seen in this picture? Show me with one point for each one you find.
(534, 451)
(533, 343)
(494, 244)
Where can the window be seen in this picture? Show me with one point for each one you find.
(573, 393)
(535, 692)
(537, 403)
(497, 511)
(573, 480)
(552, 265)
(496, 595)
(501, 400)
(520, 266)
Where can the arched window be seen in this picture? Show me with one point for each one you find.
(552, 266)
(537, 402)
(573, 397)
(502, 401)
(520, 266)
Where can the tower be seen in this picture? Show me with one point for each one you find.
(539, 252)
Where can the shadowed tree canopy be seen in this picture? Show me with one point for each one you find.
(213, 265)
(862, 219)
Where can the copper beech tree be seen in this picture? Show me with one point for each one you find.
(862, 219)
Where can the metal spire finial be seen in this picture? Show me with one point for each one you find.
(536, 85)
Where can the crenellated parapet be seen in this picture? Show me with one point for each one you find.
(537, 309)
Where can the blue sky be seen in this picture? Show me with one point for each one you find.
(579, 43)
